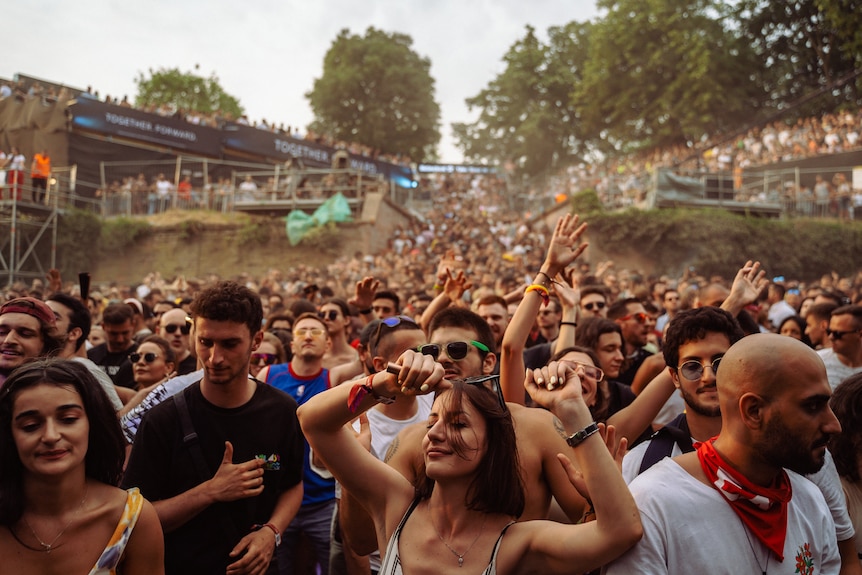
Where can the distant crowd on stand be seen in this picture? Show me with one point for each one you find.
(215, 119)
(624, 181)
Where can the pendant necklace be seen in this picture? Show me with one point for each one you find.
(48, 547)
(753, 551)
(460, 556)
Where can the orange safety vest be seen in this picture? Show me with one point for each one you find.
(41, 166)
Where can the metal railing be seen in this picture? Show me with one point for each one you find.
(148, 188)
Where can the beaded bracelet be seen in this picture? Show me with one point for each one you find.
(543, 291)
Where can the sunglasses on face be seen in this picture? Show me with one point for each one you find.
(149, 357)
(595, 305)
(590, 371)
(184, 328)
(331, 315)
(263, 358)
(390, 322)
(456, 350)
(639, 317)
(314, 331)
(837, 334)
(693, 370)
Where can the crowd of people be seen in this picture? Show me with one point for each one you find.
(374, 415)
(625, 180)
(479, 394)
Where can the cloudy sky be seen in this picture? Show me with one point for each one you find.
(267, 53)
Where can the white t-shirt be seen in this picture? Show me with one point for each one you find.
(836, 370)
(827, 480)
(690, 528)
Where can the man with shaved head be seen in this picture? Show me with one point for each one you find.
(763, 517)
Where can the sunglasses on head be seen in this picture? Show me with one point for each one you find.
(149, 357)
(263, 358)
(598, 305)
(639, 317)
(331, 315)
(693, 370)
(456, 350)
(173, 327)
(389, 322)
(837, 334)
(484, 381)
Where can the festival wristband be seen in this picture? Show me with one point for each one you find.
(543, 291)
(360, 390)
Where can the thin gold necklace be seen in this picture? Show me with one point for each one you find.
(48, 547)
(460, 556)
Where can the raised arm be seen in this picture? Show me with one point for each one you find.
(363, 298)
(636, 417)
(454, 287)
(747, 284)
(569, 293)
(549, 547)
(563, 249)
(324, 417)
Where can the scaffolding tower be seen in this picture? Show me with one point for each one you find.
(28, 232)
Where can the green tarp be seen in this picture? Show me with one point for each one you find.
(298, 223)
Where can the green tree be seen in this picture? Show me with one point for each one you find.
(804, 46)
(664, 72)
(375, 90)
(527, 113)
(186, 91)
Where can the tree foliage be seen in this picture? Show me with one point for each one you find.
(377, 91)
(804, 46)
(663, 72)
(650, 73)
(527, 113)
(185, 91)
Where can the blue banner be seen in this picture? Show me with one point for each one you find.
(95, 116)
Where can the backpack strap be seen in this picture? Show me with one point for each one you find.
(192, 443)
(662, 441)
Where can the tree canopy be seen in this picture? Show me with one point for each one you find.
(185, 91)
(527, 113)
(377, 91)
(662, 72)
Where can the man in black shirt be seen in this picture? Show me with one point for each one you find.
(113, 355)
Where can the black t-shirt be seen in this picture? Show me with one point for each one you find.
(115, 364)
(162, 466)
(187, 365)
(632, 366)
(621, 396)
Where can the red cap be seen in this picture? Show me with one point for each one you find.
(30, 306)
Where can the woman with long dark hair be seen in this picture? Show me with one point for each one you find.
(61, 457)
(464, 509)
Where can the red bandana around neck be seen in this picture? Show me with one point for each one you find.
(762, 509)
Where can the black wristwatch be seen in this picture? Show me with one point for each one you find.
(578, 437)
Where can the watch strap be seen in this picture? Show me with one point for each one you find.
(578, 437)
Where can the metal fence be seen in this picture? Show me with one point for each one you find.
(147, 188)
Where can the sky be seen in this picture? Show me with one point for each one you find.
(267, 53)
